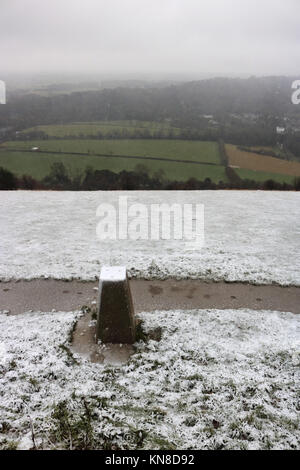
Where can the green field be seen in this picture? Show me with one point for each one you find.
(114, 155)
(261, 176)
(78, 129)
(38, 164)
(173, 149)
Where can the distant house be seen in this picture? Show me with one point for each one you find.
(35, 148)
(280, 130)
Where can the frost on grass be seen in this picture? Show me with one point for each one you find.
(215, 380)
(53, 234)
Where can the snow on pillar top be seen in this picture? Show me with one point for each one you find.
(113, 273)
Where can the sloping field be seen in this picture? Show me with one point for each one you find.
(108, 155)
(215, 380)
(262, 176)
(38, 165)
(105, 128)
(172, 149)
(274, 151)
(53, 234)
(261, 163)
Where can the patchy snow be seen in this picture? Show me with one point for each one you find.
(250, 236)
(216, 379)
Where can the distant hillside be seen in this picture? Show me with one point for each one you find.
(240, 111)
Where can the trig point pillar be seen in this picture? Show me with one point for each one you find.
(116, 323)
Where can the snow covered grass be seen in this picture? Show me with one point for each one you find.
(251, 236)
(215, 380)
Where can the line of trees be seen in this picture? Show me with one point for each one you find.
(118, 134)
(104, 180)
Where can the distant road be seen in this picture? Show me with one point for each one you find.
(161, 159)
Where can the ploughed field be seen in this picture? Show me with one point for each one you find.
(252, 165)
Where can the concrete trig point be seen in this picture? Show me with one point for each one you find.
(116, 323)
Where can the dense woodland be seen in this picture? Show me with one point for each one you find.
(245, 111)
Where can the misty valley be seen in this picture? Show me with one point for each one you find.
(208, 134)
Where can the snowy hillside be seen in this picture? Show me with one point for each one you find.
(216, 380)
(250, 236)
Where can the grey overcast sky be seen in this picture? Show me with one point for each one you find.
(150, 36)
